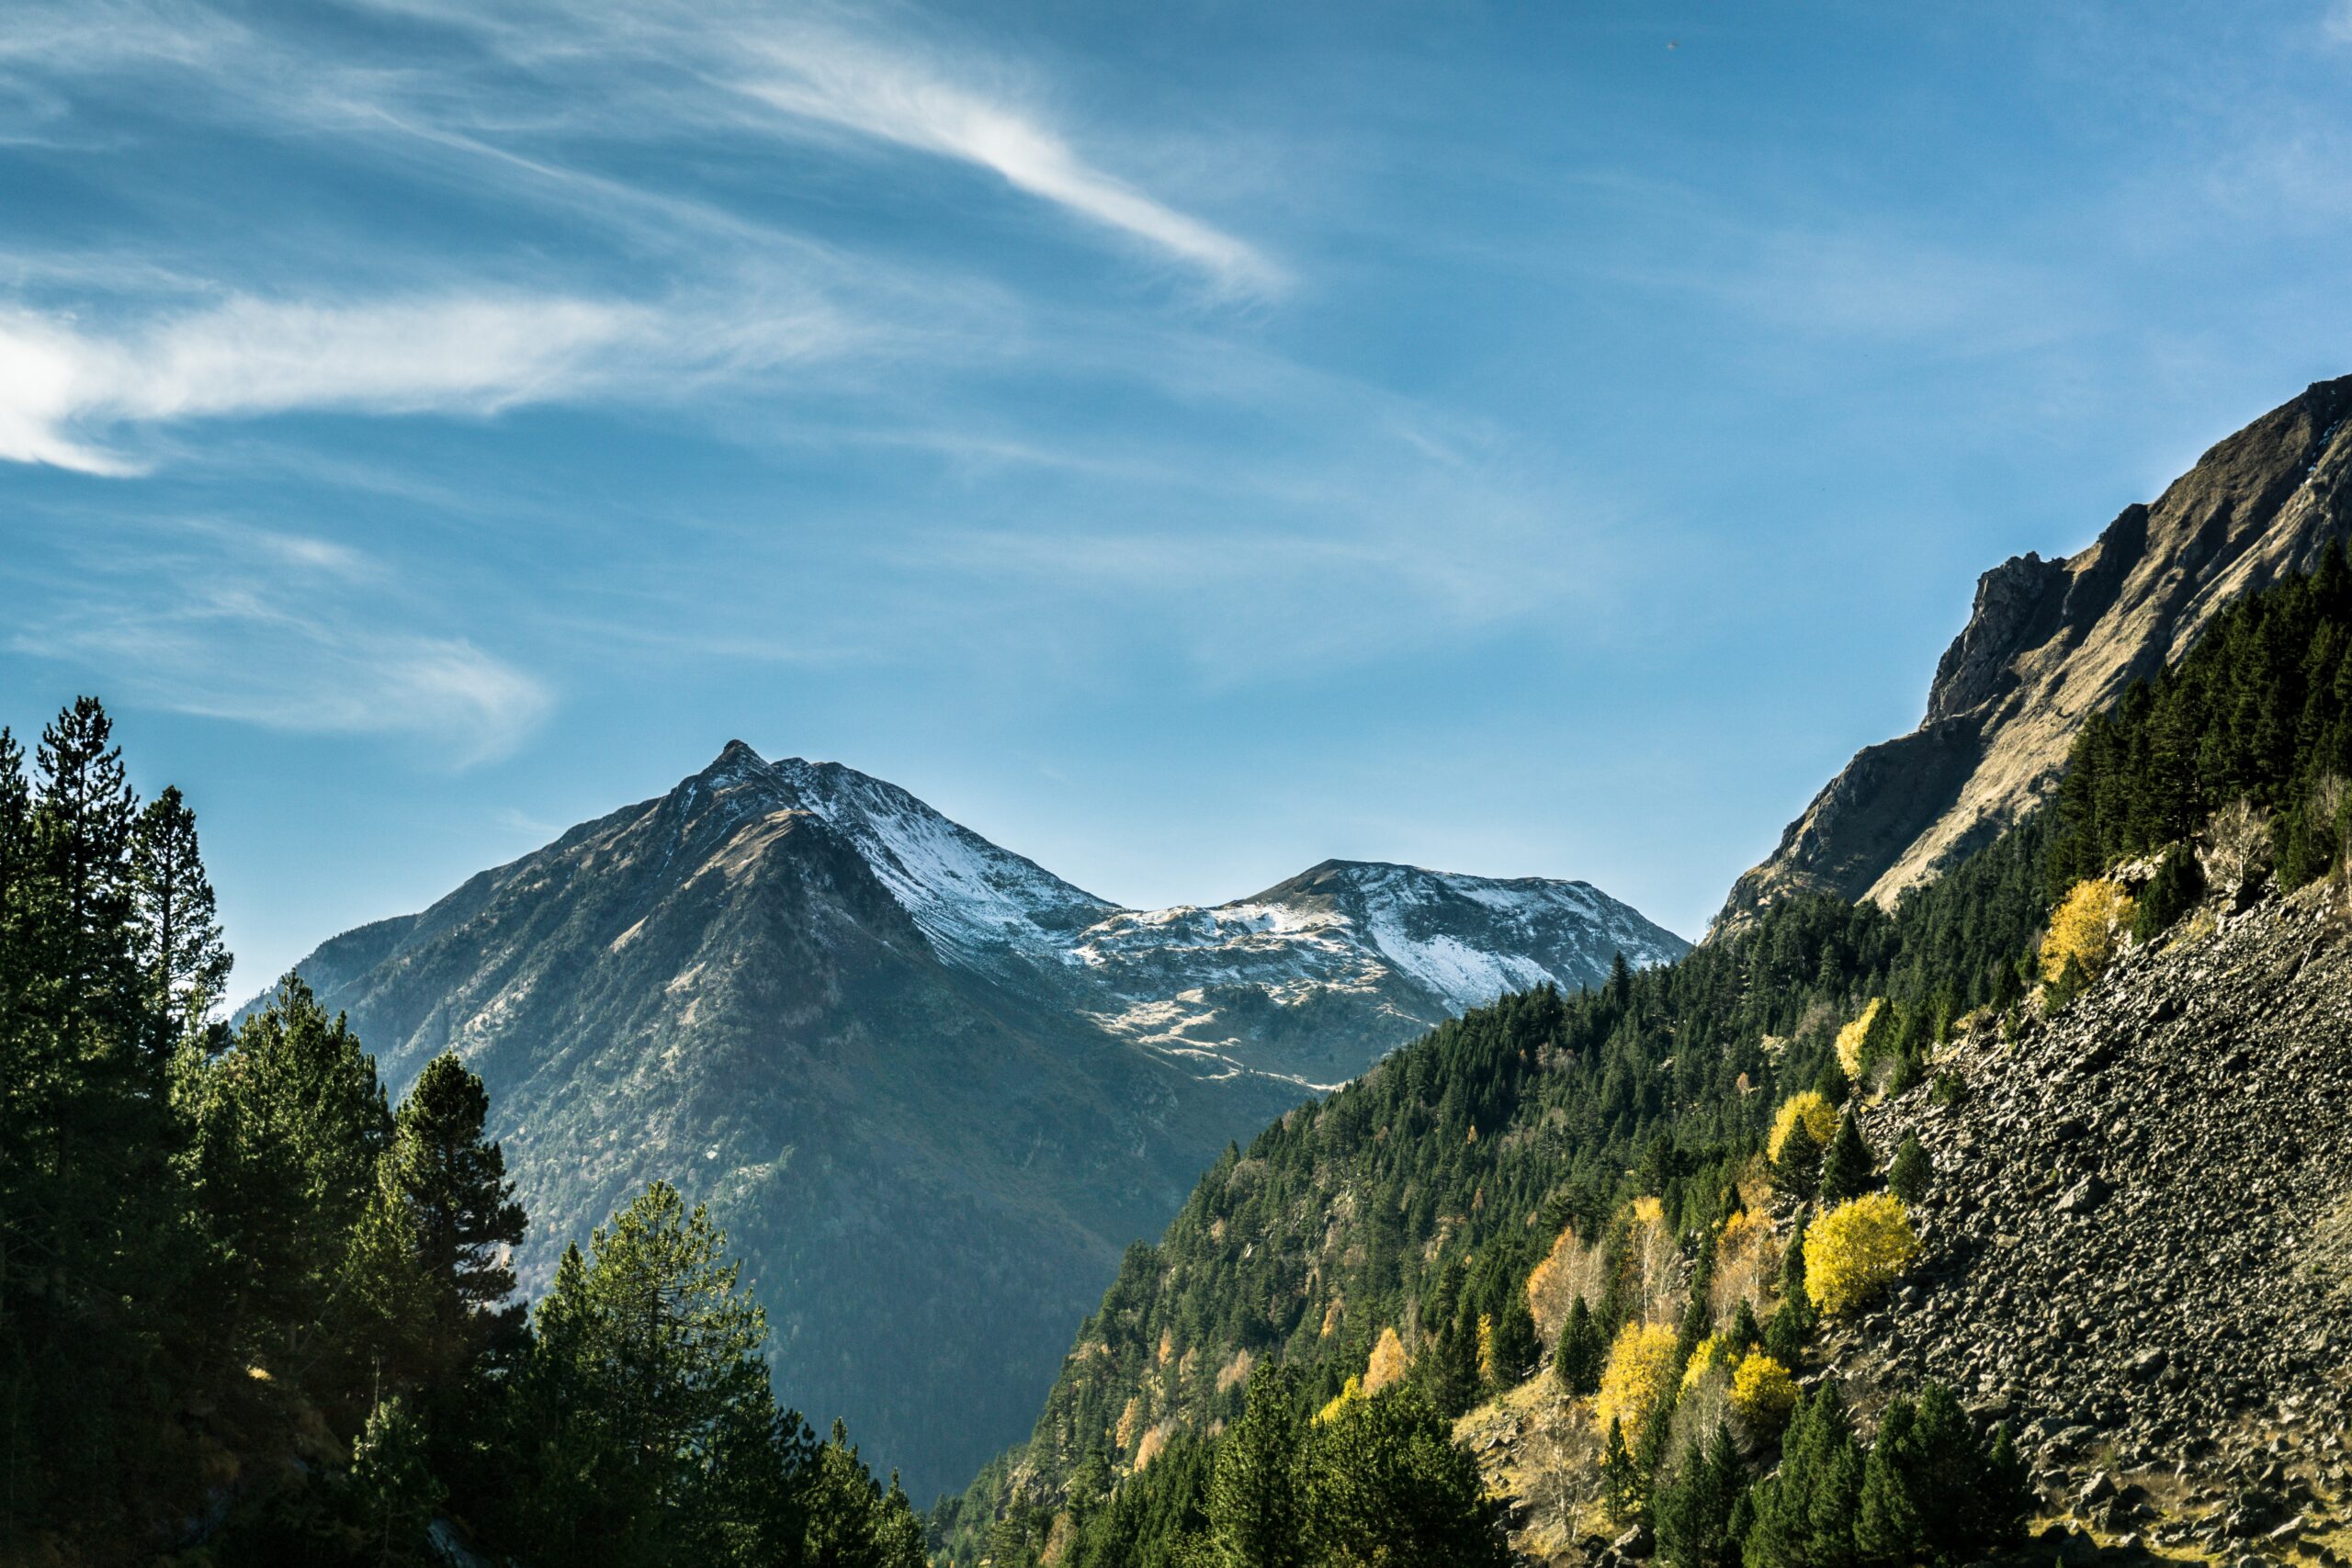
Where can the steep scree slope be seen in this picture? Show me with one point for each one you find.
(2138, 1242)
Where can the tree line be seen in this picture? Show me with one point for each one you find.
(253, 1311)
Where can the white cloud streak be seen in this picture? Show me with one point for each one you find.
(478, 354)
(899, 101)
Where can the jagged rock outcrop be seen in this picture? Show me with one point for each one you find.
(2137, 1247)
(930, 1089)
(2049, 642)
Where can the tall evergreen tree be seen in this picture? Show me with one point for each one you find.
(1849, 1169)
(285, 1128)
(1384, 1482)
(1253, 1503)
(646, 1398)
(1797, 1173)
(185, 961)
(453, 1180)
(1694, 1508)
(1516, 1350)
(1582, 1352)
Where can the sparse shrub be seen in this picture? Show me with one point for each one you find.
(1910, 1072)
(1762, 1395)
(2088, 928)
(1855, 1250)
(1641, 1372)
(1950, 1088)
(2237, 845)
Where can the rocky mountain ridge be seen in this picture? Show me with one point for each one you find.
(930, 1089)
(2048, 641)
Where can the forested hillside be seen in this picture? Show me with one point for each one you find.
(1652, 1190)
(251, 1312)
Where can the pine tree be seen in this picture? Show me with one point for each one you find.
(1797, 1173)
(1582, 1350)
(180, 947)
(1889, 1526)
(1849, 1169)
(656, 1436)
(467, 1223)
(1911, 1174)
(285, 1128)
(393, 1484)
(1787, 1332)
(1618, 1483)
(1253, 1503)
(1385, 1483)
(1745, 1334)
(1694, 1510)
(1516, 1350)
(1804, 1513)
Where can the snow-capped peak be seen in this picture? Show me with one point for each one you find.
(970, 897)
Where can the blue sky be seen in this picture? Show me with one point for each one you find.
(1181, 441)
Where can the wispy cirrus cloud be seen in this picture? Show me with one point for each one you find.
(899, 100)
(64, 387)
(282, 630)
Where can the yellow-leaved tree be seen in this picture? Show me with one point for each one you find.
(1820, 1119)
(2088, 928)
(1350, 1393)
(1856, 1249)
(1713, 1351)
(1853, 1041)
(1641, 1370)
(1762, 1395)
(1387, 1364)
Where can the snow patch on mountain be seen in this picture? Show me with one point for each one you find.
(1378, 950)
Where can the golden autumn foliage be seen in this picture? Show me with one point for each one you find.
(1129, 1420)
(1386, 1366)
(1854, 1036)
(1487, 1346)
(1713, 1351)
(1350, 1393)
(1819, 1117)
(1153, 1442)
(1763, 1394)
(1569, 1271)
(1641, 1370)
(1855, 1250)
(2088, 928)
